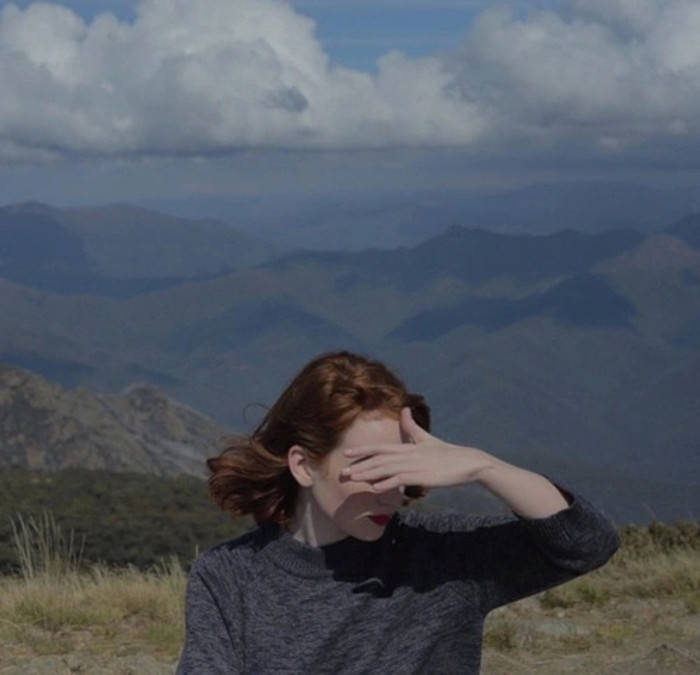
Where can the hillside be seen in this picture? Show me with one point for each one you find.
(117, 250)
(45, 427)
(570, 353)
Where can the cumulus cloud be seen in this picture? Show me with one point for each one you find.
(612, 71)
(193, 77)
(200, 76)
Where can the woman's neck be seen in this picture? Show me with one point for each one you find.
(310, 525)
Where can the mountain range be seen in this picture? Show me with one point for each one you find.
(353, 218)
(117, 250)
(575, 354)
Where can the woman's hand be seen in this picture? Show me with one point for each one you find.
(427, 461)
(424, 460)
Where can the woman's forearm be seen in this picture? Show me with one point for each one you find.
(526, 493)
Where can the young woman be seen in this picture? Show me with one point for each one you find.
(335, 579)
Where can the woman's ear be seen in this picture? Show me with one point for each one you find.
(300, 465)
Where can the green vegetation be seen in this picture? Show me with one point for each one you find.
(114, 519)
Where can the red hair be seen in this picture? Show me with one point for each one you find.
(251, 475)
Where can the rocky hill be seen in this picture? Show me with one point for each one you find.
(46, 427)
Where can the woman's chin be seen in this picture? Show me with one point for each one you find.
(369, 530)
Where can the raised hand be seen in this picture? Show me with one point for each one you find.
(423, 460)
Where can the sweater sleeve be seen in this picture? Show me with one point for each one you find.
(526, 556)
(209, 646)
(506, 558)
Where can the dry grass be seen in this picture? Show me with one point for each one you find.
(57, 605)
(673, 574)
(99, 610)
(43, 549)
(649, 592)
(635, 603)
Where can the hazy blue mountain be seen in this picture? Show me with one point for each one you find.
(244, 324)
(575, 354)
(116, 250)
(68, 373)
(584, 300)
(131, 242)
(474, 255)
(688, 337)
(687, 229)
(38, 251)
(356, 219)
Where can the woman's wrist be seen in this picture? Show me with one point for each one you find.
(476, 464)
(526, 493)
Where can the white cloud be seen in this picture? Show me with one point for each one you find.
(600, 70)
(192, 77)
(199, 76)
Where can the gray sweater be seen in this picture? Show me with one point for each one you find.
(412, 602)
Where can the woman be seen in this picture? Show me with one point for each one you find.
(334, 578)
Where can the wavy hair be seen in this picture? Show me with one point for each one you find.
(251, 475)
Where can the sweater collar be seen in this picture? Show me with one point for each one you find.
(349, 559)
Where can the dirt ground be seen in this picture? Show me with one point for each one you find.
(626, 637)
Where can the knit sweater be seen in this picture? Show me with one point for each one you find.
(412, 602)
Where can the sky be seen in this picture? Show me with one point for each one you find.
(108, 100)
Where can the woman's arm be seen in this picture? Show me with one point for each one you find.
(527, 494)
(554, 539)
(504, 558)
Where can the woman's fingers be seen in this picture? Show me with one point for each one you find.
(410, 427)
(373, 464)
(390, 465)
(367, 450)
(380, 467)
(378, 455)
(378, 473)
(388, 484)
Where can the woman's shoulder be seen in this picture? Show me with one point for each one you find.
(231, 555)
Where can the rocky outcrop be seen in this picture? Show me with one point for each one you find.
(46, 427)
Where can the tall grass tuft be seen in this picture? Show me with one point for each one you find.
(42, 548)
(55, 596)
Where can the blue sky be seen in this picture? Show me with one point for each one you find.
(227, 97)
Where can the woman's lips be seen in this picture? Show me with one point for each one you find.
(380, 519)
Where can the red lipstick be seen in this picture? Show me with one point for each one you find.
(380, 519)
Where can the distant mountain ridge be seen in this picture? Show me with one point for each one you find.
(350, 218)
(477, 255)
(117, 250)
(687, 229)
(585, 300)
(575, 354)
